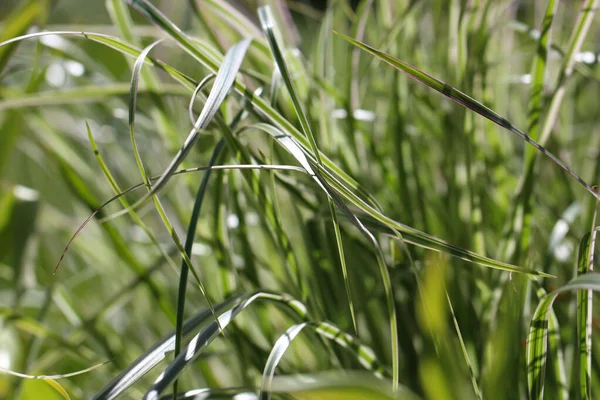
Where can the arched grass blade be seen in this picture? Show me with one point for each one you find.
(463, 99)
(365, 355)
(223, 83)
(347, 385)
(537, 339)
(409, 235)
(584, 317)
(157, 353)
(295, 150)
(209, 333)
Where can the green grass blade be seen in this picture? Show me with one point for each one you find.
(267, 22)
(157, 353)
(537, 339)
(209, 333)
(466, 101)
(365, 355)
(584, 318)
(223, 82)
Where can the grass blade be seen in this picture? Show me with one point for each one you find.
(537, 339)
(209, 333)
(466, 101)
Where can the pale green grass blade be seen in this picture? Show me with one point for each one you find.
(157, 353)
(466, 101)
(209, 333)
(537, 340)
(365, 355)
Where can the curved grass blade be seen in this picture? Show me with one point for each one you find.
(155, 178)
(223, 82)
(295, 150)
(157, 353)
(206, 394)
(114, 43)
(409, 235)
(560, 372)
(330, 385)
(466, 101)
(53, 377)
(116, 189)
(584, 317)
(209, 333)
(365, 355)
(537, 339)
(268, 23)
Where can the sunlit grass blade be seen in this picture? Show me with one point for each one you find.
(223, 82)
(537, 340)
(158, 352)
(209, 333)
(409, 235)
(267, 22)
(365, 355)
(466, 101)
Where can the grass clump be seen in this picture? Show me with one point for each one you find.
(315, 223)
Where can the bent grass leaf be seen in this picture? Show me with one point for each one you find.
(209, 333)
(158, 352)
(364, 354)
(537, 339)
